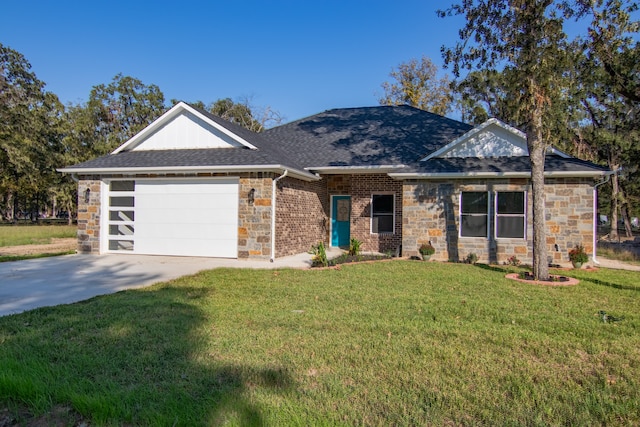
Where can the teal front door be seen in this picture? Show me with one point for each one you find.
(340, 220)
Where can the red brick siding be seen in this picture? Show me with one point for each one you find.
(301, 215)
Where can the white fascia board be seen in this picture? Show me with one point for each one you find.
(334, 170)
(168, 116)
(303, 175)
(470, 175)
(475, 130)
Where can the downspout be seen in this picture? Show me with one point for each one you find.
(595, 216)
(273, 214)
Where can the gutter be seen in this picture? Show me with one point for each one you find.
(273, 214)
(595, 215)
(468, 175)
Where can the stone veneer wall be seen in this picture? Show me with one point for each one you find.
(89, 215)
(302, 215)
(361, 187)
(431, 213)
(254, 221)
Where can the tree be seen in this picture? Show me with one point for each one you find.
(416, 84)
(525, 40)
(610, 95)
(242, 112)
(31, 119)
(120, 110)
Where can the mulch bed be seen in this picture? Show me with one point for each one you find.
(556, 280)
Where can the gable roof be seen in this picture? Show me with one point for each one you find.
(493, 138)
(252, 153)
(405, 142)
(178, 110)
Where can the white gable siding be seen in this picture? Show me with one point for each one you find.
(186, 131)
(493, 141)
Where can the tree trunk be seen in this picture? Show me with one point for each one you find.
(624, 212)
(537, 151)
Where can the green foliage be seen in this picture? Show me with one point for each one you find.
(319, 253)
(417, 84)
(426, 249)
(578, 255)
(472, 258)
(354, 246)
(265, 347)
(513, 260)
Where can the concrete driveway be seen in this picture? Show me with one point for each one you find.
(29, 284)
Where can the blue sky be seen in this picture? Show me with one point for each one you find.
(298, 57)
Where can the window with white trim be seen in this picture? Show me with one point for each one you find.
(382, 213)
(510, 221)
(474, 214)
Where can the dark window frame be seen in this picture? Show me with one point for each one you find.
(471, 214)
(509, 212)
(377, 215)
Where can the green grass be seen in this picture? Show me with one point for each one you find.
(392, 343)
(14, 235)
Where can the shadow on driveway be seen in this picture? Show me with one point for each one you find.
(25, 285)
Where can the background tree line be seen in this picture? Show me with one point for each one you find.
(39, 134)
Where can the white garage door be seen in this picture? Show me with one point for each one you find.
(179, 217)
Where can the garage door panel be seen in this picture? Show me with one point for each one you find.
(181, 201)
(186, 217)
(187, 247)
(203, 232)
(177, 216)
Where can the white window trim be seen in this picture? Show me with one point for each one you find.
(524, 215)
(388, 193)
(488, 215)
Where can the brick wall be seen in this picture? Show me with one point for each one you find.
(361, 187)
(431, 213)
(89, 215)
(302, 218)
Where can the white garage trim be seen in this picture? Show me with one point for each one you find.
(179, 216)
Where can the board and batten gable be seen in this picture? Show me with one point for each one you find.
(186, 131)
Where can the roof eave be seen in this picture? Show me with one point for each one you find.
(338, 170)
(471, 175)
(295, 173)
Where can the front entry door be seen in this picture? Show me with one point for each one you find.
(340, 220)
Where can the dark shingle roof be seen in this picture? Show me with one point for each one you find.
(553, 163)
(386, 135)
(369, 136)
(177, 158)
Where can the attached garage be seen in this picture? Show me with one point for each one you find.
(184, 217)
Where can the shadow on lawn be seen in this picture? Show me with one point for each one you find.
(136, 357)
(609, 284)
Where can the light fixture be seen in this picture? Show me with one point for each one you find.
(251, 196)
(87, 193)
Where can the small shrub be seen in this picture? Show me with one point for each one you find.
(354, 246)
(319, 255)
(471, 258)
(426, 249)
(513, 260)
(578, 255)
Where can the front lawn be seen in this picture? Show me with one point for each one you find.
(14, 235)
(391, 343)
